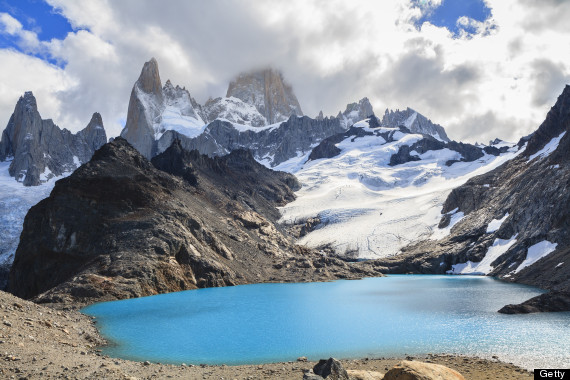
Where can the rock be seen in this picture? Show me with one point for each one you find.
(40, 149)
(330, 369)
(267, 92)
(302, 359)
(364, 375)
(414, 370)
(548, 302)
(310, 375)
(234, 110)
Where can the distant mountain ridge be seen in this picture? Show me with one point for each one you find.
(40, 149)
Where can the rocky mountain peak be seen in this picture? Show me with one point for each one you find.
(355, 112)
(40, 149)
(266, 90)
(557, 121)
(415, 122)
(149, 80)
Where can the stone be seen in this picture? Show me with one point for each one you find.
(330, 369)
(364, 375)
(355, 112)
(415, 122)
(414, 370)
(302, 359)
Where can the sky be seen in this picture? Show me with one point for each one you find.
(480, 68)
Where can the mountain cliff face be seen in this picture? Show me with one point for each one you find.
(415, 122)
(514, 221)
(154, 109)
(119, 227)
(233, 110)
(266, 91)
(40, 149)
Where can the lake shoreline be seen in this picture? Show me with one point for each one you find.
(39, 342)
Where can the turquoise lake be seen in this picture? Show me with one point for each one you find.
(375, 317)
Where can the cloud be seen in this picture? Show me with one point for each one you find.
(498, 80)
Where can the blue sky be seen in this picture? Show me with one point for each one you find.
(449, 11)
(480, 68)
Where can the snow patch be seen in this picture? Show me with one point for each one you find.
(548, 148)
(496, 224)
(440, 233)
(484, 267)
(537, 252)
(559, 265)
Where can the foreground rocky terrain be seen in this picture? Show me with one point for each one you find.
(119, 227)
(38, 342)
(514, 222)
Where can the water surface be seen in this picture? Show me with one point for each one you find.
(375, 317)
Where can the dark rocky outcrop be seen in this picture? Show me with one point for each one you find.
(552, 301)
(330, 369)
(119, 227)
(40, 149)
(535, 195)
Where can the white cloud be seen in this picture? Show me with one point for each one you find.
(498, 82)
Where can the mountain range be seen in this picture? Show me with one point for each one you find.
(393, 190)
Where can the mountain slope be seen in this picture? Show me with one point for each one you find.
(516, 223)
(118, 228)
(368, 192)
(415, 122)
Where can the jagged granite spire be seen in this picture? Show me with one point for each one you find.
(145, 106)
(266, 91)
(355, 112)
(415, 122)
(40, 149)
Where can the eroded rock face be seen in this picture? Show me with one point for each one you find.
(530, 197)
(266, 91)
(118, 227)
(40, 149)
(355, 112)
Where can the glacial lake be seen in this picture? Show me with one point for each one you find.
(389, 316)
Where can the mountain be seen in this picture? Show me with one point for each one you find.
(121, 227)
(355, 112)
(268, 93)
(512, 222)
(154, 109)
(370, 191)
(39, 149)
(233, 110)
(415, 122)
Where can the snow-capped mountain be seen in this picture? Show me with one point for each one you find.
(38, 149)
(154, 109)
(415, 122)
(233, 110)
(363, 197)
(268, 93)
(355, 112)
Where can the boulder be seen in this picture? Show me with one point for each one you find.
(330, 369)
(414, 370)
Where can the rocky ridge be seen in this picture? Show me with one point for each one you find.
(415, 122)
(40, 150)
(118, 227)
(515, 223)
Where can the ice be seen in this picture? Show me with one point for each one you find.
(440, 233)
(370, 206)
(484, 267)
(548, 148)
(15, 201)
(559, 265)
(496, 224)
(537, 252)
